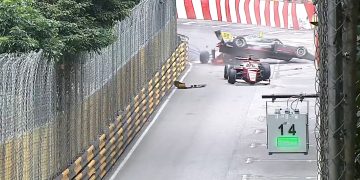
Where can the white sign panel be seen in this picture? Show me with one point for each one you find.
(287, 132)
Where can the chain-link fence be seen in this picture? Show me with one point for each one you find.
(27, 116)
(51, 112)
(335, 106)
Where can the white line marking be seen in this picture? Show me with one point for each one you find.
(276, 32)
(118, 169)
(275, 70)
(221, 26)
(285, 160)
(253, 27)
(189, 23)
(234, 28)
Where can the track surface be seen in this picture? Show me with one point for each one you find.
(219, 132)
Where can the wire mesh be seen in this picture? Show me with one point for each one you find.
(51, 112)
(27, 116)
(330, 136)
(322, 81)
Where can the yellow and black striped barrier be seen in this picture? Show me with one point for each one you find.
(99, 158)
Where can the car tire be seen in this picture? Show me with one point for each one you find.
(204, 57)
(226, 70)
(232, 76)
(301, 52)
(265, 71)
(239, 42)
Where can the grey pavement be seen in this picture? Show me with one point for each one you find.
(219, 132)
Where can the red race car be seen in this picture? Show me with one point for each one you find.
(249, 70)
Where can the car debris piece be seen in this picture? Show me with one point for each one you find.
(181, 85)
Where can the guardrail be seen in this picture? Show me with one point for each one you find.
(100, 157)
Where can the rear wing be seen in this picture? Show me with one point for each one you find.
(224, 36)
(250, 58)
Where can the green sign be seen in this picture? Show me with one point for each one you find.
(283, 142)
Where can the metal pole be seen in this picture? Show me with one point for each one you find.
(334, 89)
(349, 62)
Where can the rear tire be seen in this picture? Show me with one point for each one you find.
(232, 76)
(301, 52)
(239, 42)
(265, 71)
(204, 57)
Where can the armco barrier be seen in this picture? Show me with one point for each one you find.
(98, 159)
(281, 14)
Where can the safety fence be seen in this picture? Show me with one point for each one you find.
(337, 85)
(101, 156)
(285, 14)
(27, 116)
(51, 112)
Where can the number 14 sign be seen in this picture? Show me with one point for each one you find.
(287, 132)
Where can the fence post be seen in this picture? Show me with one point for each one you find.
(349, 69)
(335, 112)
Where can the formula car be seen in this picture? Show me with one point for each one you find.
(242, 46)
(249, 70)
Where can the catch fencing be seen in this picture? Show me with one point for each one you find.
(335, 42)
(51, 112)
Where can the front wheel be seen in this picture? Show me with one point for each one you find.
(265, 71)
(226, 70)
(232, 76)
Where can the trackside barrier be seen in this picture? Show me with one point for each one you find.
(286, 14)
(100, 157)
(53, 110)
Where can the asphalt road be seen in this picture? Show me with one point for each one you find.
(219, 132)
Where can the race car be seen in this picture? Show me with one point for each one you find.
(242, 46)
(249, 70)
